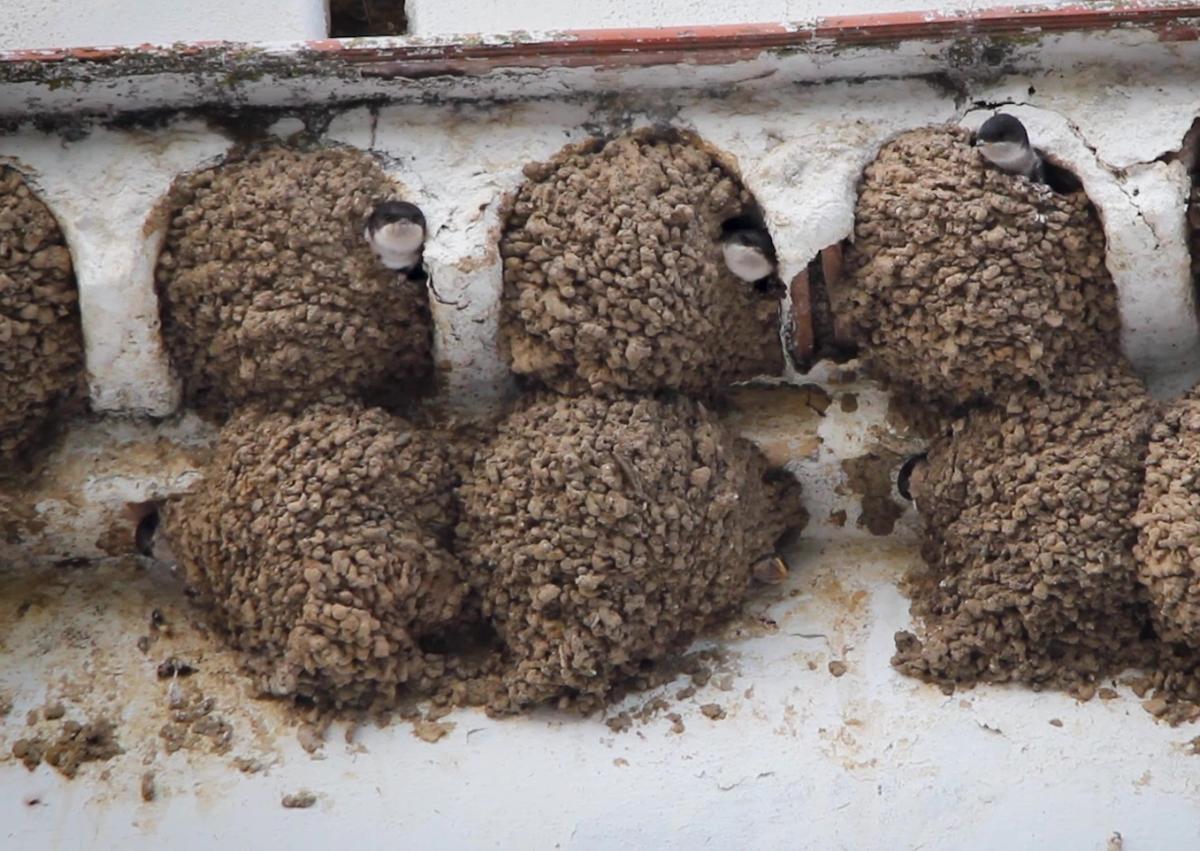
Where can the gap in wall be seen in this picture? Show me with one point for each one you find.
(357, 18)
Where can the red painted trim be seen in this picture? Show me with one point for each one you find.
(1171, 22)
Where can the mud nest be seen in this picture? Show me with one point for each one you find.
(963, 282)
(1029, 537)
(318, 539)
(1168, 522)
(268, 290)
(614, 279)
(41, 346)
(605, 533)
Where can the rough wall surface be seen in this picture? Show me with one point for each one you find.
(317, 539)
(963, 282)
(1028, 509)
(41, 347)
(613, 276)
(606, 533)
(1168, 521)
(269, 292)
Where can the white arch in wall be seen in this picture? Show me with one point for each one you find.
(104, 190)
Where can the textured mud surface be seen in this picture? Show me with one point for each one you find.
(613, 275)
(318, 539)
(1028, 509)
(1168, 522)
(605, 533)
(962, 282)
(269, 292)
(74, 745)
(41, 345)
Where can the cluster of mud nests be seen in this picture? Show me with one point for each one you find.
(41, 345)
(552, 556)
(1058, 498)
(350, 553)
(268, 291)
(613, 275)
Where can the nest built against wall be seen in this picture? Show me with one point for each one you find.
(318, 540)
(594, 534)
(41, 345)
(605, 533)
(1028, 509)
(614, 278)
(962, 282)
(269, 292)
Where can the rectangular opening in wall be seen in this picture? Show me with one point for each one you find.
(357, 18)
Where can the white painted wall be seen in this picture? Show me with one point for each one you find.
(438, 17)
(28, 24)
(32, 24)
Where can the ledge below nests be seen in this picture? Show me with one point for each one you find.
(41, 345)
(614, 278)
(269, 292)
(962, 282)
(604, 534)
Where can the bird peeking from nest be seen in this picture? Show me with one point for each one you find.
(149, 540)
(749, 252)
(1003, 141)
(911, 479)
(396, 233)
